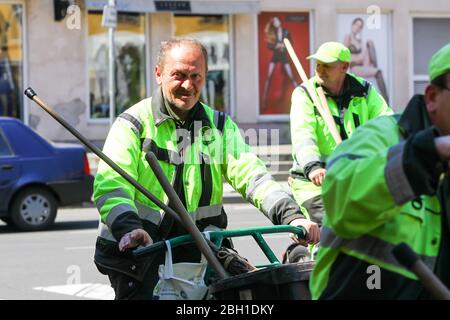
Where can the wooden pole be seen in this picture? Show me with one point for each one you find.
(319, 100)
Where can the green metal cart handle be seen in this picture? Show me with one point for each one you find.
(217, 236)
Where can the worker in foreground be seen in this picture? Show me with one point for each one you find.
(385, 185)
(197, 147)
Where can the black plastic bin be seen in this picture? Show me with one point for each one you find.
(282, 282)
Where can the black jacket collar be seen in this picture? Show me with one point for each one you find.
(352, 88)
(415, 117)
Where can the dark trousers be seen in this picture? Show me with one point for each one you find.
(315, 209)
(130, 288)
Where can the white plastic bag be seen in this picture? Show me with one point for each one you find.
(180, 281)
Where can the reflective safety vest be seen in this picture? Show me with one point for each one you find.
(373, 203)
(312, 141)
(195, 157)
(311, 138)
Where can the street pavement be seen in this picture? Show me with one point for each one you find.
(57, 264)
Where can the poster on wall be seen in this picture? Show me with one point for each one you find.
(367, 37)
(277, 74)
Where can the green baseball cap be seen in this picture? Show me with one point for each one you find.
(330, 52)
(440, 62)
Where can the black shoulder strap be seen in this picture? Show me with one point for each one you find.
(219, 120)
(135, 122)
(366, 86)
(316, 112)
(306, 91)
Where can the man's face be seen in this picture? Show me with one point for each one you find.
(438, 105)
(329, 74)
(182, 76)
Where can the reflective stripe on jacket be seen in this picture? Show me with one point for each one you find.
(195, 157)
(312, 141)
(383, 187)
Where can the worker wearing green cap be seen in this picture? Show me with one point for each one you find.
(352, 101)
(388, 184)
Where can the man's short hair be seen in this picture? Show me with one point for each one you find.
(166, 46)
(440, 81)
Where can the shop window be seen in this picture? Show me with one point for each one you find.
(130, 64)
(213, 32)
(424, 46)
(11, 60)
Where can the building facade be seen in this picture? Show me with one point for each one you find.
(60, 48)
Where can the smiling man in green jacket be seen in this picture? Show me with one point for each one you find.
(198, 148)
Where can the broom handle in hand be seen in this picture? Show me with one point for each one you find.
(321, 103)
(330, 121)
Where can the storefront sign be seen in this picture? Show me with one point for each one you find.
(173, 6)
(193, 6)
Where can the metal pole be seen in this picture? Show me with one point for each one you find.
(112, 80)
(188, 223)
(29, 92)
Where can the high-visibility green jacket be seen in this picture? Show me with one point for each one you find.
(385, 185)
(312, 141)
(196, 157)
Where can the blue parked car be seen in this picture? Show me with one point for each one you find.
(36, 176)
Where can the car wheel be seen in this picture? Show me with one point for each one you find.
(33, 209)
